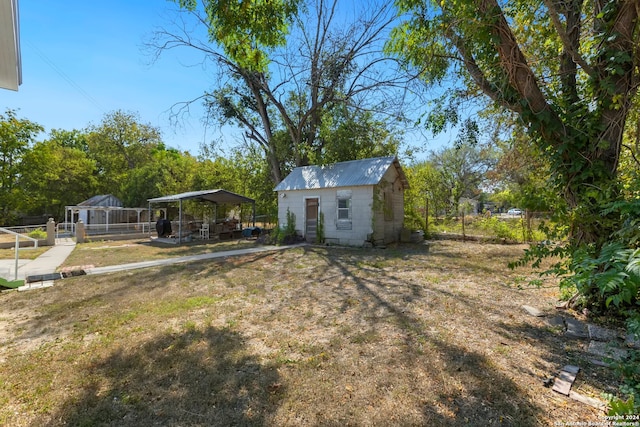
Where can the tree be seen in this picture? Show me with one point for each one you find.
(568, 69)
(630, 154)
(16, 135)
(119, 145)
(520, 176)
(166, 171)
(279, 94)
(462, 170)
(427, 194)
(56, 174)
(354, 135)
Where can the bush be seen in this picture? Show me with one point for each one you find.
(38, 233)
(287, 234)
(320, 230)
(607, 280)
(499, 229)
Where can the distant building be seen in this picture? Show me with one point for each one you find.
(103, 209)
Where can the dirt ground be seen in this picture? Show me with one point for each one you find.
(429, 335)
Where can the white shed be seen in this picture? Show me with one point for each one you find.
(357, 201)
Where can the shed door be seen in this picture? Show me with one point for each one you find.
(311, 214)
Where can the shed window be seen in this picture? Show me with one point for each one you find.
(344, 209)
(343, 203)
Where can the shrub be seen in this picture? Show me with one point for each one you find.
(607, 280)
(498, 228)
(38, 233)
(320, 229)
(286, 234)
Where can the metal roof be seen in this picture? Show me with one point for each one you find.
(215, 196)
(100, 199)
(343, 174)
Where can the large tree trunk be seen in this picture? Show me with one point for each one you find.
(583, 145)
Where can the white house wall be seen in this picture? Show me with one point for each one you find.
(361, 212)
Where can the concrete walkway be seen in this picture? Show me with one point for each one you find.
(48, 262)
(167, 261)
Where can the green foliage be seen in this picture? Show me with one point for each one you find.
(119, 145)
(58, 174)
(247, 30)
(427, 192)
(490, 227)
(500, 228)
(290, 226)
(38, 233)
(629, 371)
(572, 91)
(287, 233)
(320, 229)
(351, 136)
(462, 170)
(16, 136)
(608, 277)
(305, 81)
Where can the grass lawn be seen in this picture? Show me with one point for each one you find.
(308, 336)
(23, 253)
(116, 252)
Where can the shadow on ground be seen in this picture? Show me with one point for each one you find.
(475, 389)
(194, 378)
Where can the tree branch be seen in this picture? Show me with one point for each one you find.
(520, 75)
(568, 42)
(487, 87)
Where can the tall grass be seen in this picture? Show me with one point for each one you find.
(511, 229)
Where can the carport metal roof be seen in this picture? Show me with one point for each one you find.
(218, 196)
(215, 196)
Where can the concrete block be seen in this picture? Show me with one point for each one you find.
(576, 328)
(601, 334)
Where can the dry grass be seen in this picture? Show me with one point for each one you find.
(24, 253)
(114, 252)
(304, 337)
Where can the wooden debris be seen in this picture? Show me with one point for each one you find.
(565, 379)
(588, 400)
(533, 311)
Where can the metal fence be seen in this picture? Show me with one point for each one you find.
(69, 228)
(22, 230)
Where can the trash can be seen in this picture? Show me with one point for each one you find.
(163, 228)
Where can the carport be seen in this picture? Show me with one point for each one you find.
(217, 197)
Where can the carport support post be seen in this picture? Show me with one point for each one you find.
(180, 223)
(254, 214)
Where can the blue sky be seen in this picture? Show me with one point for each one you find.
(83, 59)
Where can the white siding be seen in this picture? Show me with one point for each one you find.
(361, 212)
